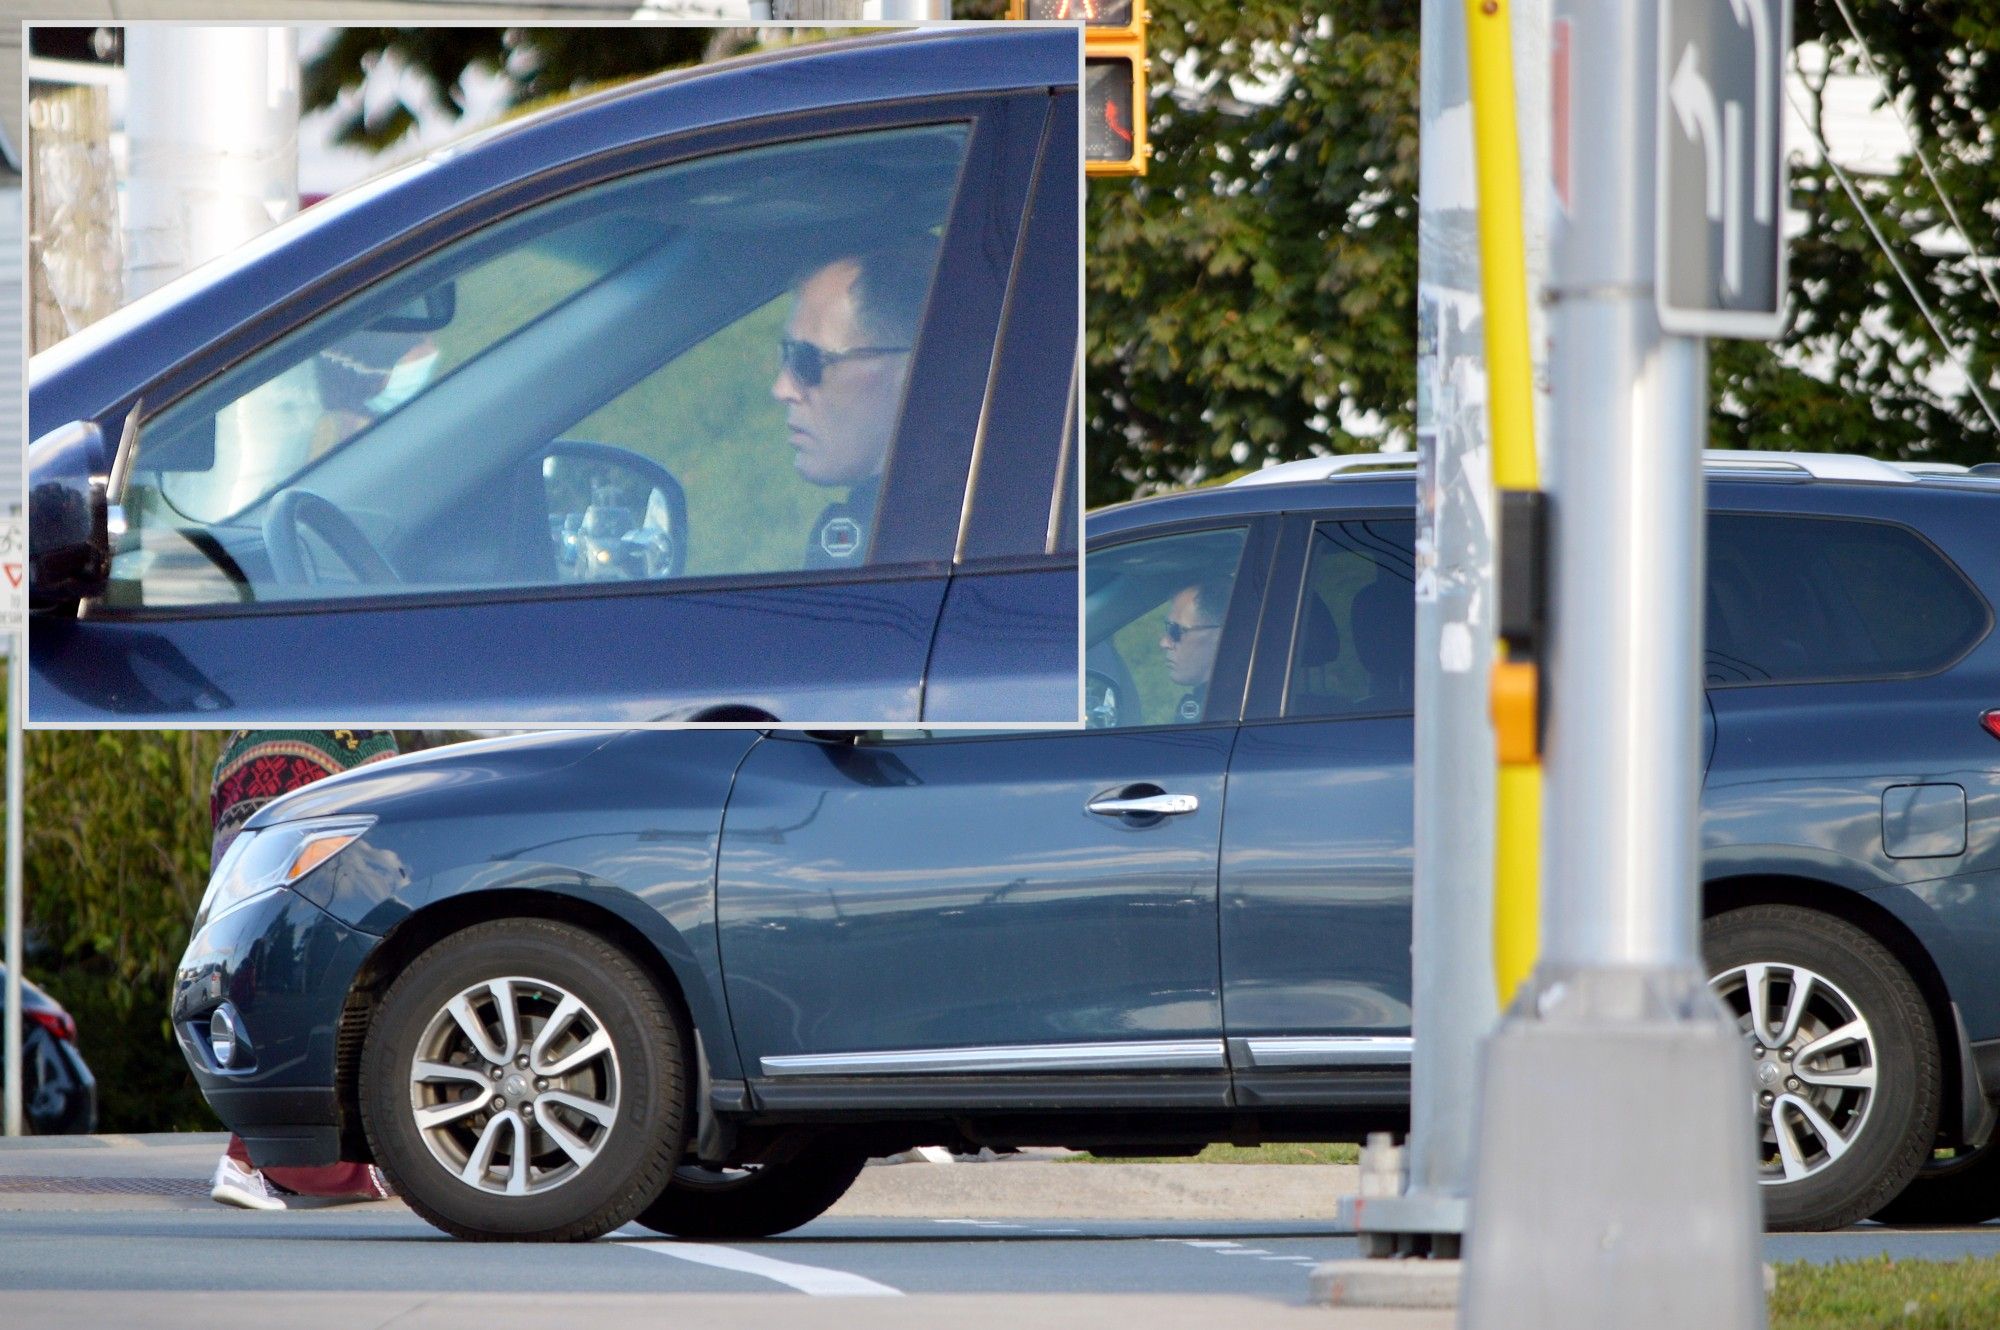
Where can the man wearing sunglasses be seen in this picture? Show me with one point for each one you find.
(1192, 632)
(843, 361)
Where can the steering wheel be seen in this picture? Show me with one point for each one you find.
(293, 509)
(1100, 701)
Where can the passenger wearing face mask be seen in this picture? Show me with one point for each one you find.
(365, 376)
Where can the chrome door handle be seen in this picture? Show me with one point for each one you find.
(1149, 805)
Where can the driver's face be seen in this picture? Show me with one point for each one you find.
(1191, 659)
(839, 428)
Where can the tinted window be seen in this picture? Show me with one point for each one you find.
(696, 370)
(1354, 646)
(1793, 598)
(1154, 611)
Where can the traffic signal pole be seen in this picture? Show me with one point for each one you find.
(1613, 1179)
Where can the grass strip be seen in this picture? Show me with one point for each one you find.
(1883, 1292)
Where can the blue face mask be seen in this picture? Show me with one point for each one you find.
(405, 381)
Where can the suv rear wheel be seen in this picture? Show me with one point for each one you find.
(1844, 1061)
(523, 1080)
(753, 1202)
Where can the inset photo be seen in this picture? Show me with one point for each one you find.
(497, 377)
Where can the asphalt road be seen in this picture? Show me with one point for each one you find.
(172, 1258)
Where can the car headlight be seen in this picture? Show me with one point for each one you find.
(267, 858)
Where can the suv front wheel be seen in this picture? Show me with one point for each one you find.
(1845, 1063)
(523, 1080)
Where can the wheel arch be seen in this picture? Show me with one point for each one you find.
(1723, 894)
(656, 945)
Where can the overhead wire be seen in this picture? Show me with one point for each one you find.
(1958, 358)
(1979, 263)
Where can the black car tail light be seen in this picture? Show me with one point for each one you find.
(58, 1023)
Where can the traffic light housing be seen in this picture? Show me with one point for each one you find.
(1114, 78)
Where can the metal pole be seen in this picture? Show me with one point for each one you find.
(212, 122)
(16, 702)
(1453, 1002)
(1614, 1179)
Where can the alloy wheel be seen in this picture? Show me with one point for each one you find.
(514, 1087)
(1814, 1065)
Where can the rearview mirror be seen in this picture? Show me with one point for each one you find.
(433, 310)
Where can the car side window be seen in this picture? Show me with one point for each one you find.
(1793, 599)
(1354, 645)
(1154, 612)
(697, 370)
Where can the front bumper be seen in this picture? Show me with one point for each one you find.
(283, 967)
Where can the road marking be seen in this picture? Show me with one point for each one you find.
(1211, 1243)
(1243, 1251)
(980, 1223)
(813, 1279)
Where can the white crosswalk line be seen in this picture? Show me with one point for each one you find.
(813, 1279)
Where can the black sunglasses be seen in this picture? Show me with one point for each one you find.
(807, 363)
(1176, 630)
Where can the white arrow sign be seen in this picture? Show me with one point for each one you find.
(1694, 103)
(1721, 155)
(1759, 20)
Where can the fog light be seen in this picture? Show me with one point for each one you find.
(222, 1036)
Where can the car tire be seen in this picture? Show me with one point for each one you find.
(1961, 1189)
(754, 1202)
(487, 1026)
(1848, 1132)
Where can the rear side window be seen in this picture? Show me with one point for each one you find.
(1353, 649)
(1792, 599)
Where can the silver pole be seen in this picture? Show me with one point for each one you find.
(1453, 999)
(1614, 1179)
(16, 704)
(1451, 953)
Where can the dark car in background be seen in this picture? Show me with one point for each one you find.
(58, 1093)
(552, 983)
(519, 432)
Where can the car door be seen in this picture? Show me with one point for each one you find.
(1316, 853)
(588, 497)
(948, 919)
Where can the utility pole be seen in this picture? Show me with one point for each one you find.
(212, 118)
(1453, 996)
(1613, 1182)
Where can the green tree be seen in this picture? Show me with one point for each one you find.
(1254, 295)
(538, 62)
(1256, 291)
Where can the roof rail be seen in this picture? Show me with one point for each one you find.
(1818, 466)
(1327, 468)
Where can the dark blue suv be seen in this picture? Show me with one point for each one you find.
(745, 393)
(553, 983)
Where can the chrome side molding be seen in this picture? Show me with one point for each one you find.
(1120, 1055)
(1321, 1051)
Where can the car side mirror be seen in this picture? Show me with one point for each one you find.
(69, 542)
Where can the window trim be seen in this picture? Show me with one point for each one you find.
(1972, 645)
(1279, 638)
(1235, 656)
(719, 584)
(984, 190)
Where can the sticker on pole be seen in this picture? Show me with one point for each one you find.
(1721, 249)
